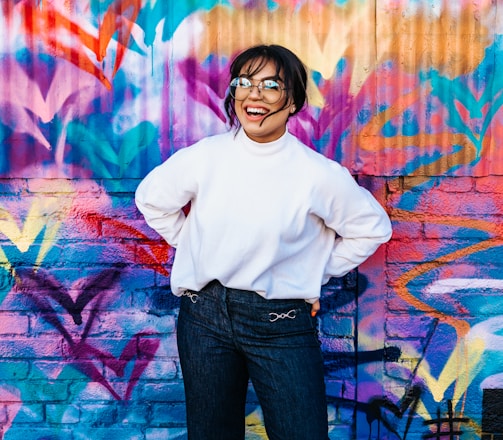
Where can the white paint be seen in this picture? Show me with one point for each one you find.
(494, 382)
(450, 285)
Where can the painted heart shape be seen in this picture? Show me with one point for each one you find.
(31, 282)
(140, 348)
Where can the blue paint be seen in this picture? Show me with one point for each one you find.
(410, 124)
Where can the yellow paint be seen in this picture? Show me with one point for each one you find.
(364, 33)
(451, 41)
(320, 38)
(45, 216)
(461, 367)
(255, 425)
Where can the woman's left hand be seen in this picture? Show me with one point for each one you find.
(315, 308)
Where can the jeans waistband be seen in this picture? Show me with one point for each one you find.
(216, 289)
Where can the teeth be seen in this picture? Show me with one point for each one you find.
(257, 111)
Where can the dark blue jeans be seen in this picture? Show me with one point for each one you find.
(228, 336)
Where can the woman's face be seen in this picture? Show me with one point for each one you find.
(252, 112)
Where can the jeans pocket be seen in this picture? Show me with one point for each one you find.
(194, 306)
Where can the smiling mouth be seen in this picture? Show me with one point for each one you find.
(256, 111)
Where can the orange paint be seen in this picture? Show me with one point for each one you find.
(51, 28)
(461, 326)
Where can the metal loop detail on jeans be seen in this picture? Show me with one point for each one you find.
(291, 314)
(193, 296)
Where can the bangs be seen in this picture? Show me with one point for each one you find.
(255, 65)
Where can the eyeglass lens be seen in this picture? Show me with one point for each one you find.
(269, 89)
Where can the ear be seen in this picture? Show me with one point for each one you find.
(292, 109)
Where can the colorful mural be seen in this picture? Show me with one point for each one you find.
(407, 94)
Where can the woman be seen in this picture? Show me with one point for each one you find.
(270, 222)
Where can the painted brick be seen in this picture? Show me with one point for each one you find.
(3, 415)
(42, 325)
(163, 392)
(338, 326)
(13, 324)
(62, 414)
(160, 248)
(456, 184)
(398, 305)
(129, 413)
(19, 433)
(407, 326)
(30, 254)
(144, 279)
(98, 414)
(168, 414)
(79, 254)
(340, 389)
(340, 432)
(344, 415)
(394, 272)
(30, 413)
(157, 301)
(337, 345)
(167, 348)
(395, 185)
(460, 204)
(123, 185)
(409, 358)
(402, 251)
(160, 369)
(13, 187)
(135, 322)
(92, 392)
(6, 282)
(83, 225)
(30, 348)
(407, 230)
(44, 391)
(132, 230)
(340, 414)
(122, 433)
(475, 229)
(119, 385)
(107, 346)
(56, 368)
(490, 184)
(413, 183)
(123, 210)
(165, 434)
(62, 186)
(14, 370)
(347, 373)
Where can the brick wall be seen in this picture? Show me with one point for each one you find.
(93, 95)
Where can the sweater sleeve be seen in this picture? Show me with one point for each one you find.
(163, 193)
(360, 222)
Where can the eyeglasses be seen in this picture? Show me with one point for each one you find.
(270, 90)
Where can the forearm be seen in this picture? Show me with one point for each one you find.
(349, 253)
(167, 225)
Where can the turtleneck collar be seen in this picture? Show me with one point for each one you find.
(261, 148)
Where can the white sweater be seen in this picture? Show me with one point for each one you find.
(263, 217)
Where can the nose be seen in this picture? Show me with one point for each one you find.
(255, 92)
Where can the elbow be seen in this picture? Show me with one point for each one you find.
(385, 230)
(387, 235)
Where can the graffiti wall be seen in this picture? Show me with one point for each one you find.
(407, 94)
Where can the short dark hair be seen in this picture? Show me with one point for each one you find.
(293, 72)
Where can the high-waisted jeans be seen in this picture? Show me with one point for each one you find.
(228, 336)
